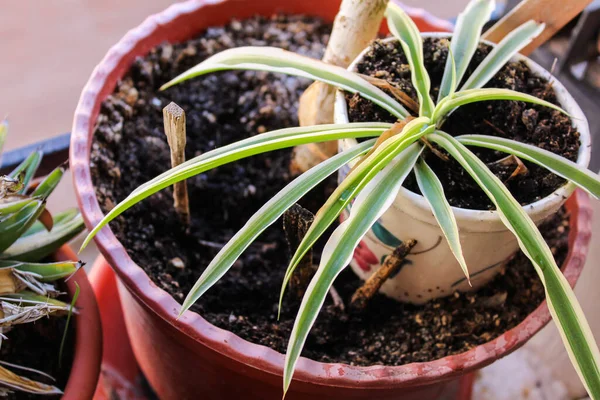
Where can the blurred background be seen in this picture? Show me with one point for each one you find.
(49, 48)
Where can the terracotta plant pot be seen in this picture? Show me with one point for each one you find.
(88, 335)
(189, 358)
(486, 242)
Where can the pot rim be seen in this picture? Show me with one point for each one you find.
(101, 83)
(540, 208)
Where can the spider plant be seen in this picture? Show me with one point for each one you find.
(385, 161)
(28, 234)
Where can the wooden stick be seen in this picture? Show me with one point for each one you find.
(174, 122)
(554, 13)
(296, 221)
(391, 265)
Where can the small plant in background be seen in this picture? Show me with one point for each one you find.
(384, 161)
(28, 234)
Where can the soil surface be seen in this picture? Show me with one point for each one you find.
(37, 345)
(541, 126)
(130, 148)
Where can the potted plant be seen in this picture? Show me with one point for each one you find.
(41, 355)
(152, 315)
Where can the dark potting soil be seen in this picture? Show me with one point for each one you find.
(130, 148)
(37, 345)
(537, 125)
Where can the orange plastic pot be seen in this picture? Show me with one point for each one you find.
(188, 358)
(88, 335)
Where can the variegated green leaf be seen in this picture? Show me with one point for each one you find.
(266, 216)
(272, 59)
(432, 190)
(405, 30)
(50, 182)
(36, 246)
(564, 307)
(370, 204)
(580, 176)
(258, 144)
(48, 272)
(14, 225)
(354, 182)
(502, 53)
(464, 42)
(476, 95)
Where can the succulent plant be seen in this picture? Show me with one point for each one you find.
(28, 235)
(384, 163)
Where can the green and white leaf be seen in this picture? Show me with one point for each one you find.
(370, 204)
(580, 176)
(564, 307)
(464, 97)
(432, 190)
(258, 144)
(464, 42)
(351, 186)
(405, 30)
(502, 53)
(273, 59)
(48, 272)
(266, 216)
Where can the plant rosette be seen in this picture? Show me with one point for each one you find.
(431, 270)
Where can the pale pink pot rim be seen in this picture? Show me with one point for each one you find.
(102, 82)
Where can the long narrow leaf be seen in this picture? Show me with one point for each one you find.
(476, 95)
(16, 382)
(60, 219)
(564, 307)
(502, 53)
(266, 216)
(405, 30)
(50, 182)
(48, 272)
(582, 177)
(370, 204)
(14, 225)
(262, 143)
(464, 42)
(432, 190)
(36, 246)
(272, 59)
(354, 182)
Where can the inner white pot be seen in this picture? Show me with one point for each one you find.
(431, 270)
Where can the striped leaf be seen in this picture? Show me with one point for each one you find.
(258, 144)
(272, 59)
(502, 53)
(564, 307)
(370, 204)
(582, 177)
(351, 186)
(464, 42)
(464, 97)
(432, 190)
(266, 216)
(405, 30)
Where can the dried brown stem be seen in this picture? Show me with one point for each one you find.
(402, 97)
(390, 266)
(296, 221)
(174, 122)
(520, 169)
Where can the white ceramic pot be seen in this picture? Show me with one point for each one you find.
(431, 270)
